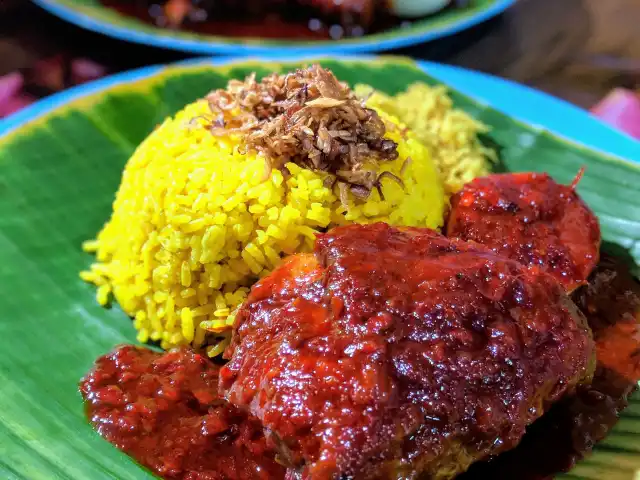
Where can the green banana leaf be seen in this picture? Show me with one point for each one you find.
(58, 176)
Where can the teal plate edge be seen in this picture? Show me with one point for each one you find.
(539, 110)
(368, 43)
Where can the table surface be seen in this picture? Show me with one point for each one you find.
(575, 49)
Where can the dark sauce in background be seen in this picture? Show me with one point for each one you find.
(287, 20)
(163, 409)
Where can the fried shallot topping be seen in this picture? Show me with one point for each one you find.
(310, 118)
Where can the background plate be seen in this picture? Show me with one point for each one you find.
(60, 165)
(90, 14)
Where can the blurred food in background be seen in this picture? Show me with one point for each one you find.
(620, 109)
(312, 19)
(52, 74)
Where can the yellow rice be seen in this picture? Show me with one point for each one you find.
(195, 223)
(450, 134)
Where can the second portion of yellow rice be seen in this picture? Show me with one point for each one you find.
(195, 223)
(451, 135)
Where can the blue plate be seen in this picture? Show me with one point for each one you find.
(92, 15)
(518, 101)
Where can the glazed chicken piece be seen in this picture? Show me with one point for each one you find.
(400, 354)
(532, 219)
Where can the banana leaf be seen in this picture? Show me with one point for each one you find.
(58, 177)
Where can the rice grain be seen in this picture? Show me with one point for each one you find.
(195, 223)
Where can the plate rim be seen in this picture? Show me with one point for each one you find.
(584, 130)
(256, 47)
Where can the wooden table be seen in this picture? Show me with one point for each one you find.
(575, 49)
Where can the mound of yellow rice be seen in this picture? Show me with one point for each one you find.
(195, 223)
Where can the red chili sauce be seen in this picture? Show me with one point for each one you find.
(530, 218)
(568, 432)
(400, 353)
(163, 409)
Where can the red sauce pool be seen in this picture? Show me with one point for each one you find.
(163, 408)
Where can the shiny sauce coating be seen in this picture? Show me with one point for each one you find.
(530, 218)
(164, 411)
(569, 431)
(611, 302)
(391, 353)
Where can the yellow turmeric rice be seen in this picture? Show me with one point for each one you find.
(196, 222)
(194, 225)
(451, 135)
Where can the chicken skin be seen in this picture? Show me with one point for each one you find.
(399, 354)
(532, 219)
